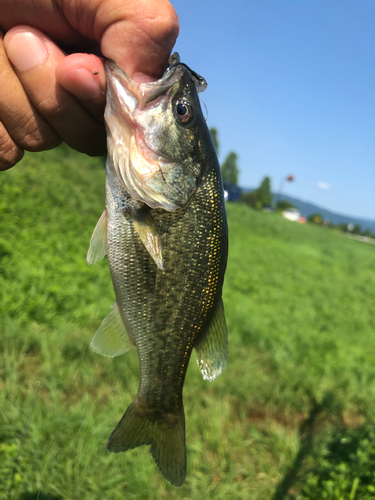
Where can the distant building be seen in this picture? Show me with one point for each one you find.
(232, 192)
(292, 214)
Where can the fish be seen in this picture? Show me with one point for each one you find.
(164, 230)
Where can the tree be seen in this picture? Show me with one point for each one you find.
(229, 169)
(261, 197)
(342, 227)
(214, 134)
(263, 193)
(282, 205)
(367, 233)
(250, 199)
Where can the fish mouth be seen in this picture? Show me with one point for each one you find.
(149, 91)
(148, 176)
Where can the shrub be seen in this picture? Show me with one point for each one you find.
(315, 218)
(282, 205)
(346, 469)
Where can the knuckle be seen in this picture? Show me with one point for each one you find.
(60, 111)
(10, 153)
(75, 126)
(41, 141)
(37, 135)
(52, 106)
(165, 24)
(168, 22)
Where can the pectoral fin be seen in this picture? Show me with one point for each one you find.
(212, 348)
(98, 242)
(149, 235)
(111, 338)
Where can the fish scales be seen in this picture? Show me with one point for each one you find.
(179, 298)
(166, 240)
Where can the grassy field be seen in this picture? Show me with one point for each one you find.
(292, 417)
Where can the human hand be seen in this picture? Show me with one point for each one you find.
(47, 96)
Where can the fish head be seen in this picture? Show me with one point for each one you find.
(155, 134)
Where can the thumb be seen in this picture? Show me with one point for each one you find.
(137, 34)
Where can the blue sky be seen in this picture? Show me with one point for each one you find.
(291, 89)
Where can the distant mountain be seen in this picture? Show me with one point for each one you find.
(307, 208)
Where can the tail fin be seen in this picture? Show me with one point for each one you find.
(164, 432)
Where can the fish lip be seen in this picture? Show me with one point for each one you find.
(148, 91)
(142, 92)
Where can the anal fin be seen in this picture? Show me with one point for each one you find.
(111, 338)
(98, 242)
(212, 348)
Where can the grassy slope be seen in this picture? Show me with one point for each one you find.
(299, 305)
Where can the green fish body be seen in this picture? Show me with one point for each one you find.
(165, 232)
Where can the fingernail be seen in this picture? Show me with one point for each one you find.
(25, 49)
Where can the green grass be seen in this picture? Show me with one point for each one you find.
(291, 417)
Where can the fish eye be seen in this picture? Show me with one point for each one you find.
(184, 111)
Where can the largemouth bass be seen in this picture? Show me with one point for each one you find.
(165, 232)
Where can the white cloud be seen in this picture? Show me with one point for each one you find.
(323, 185)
